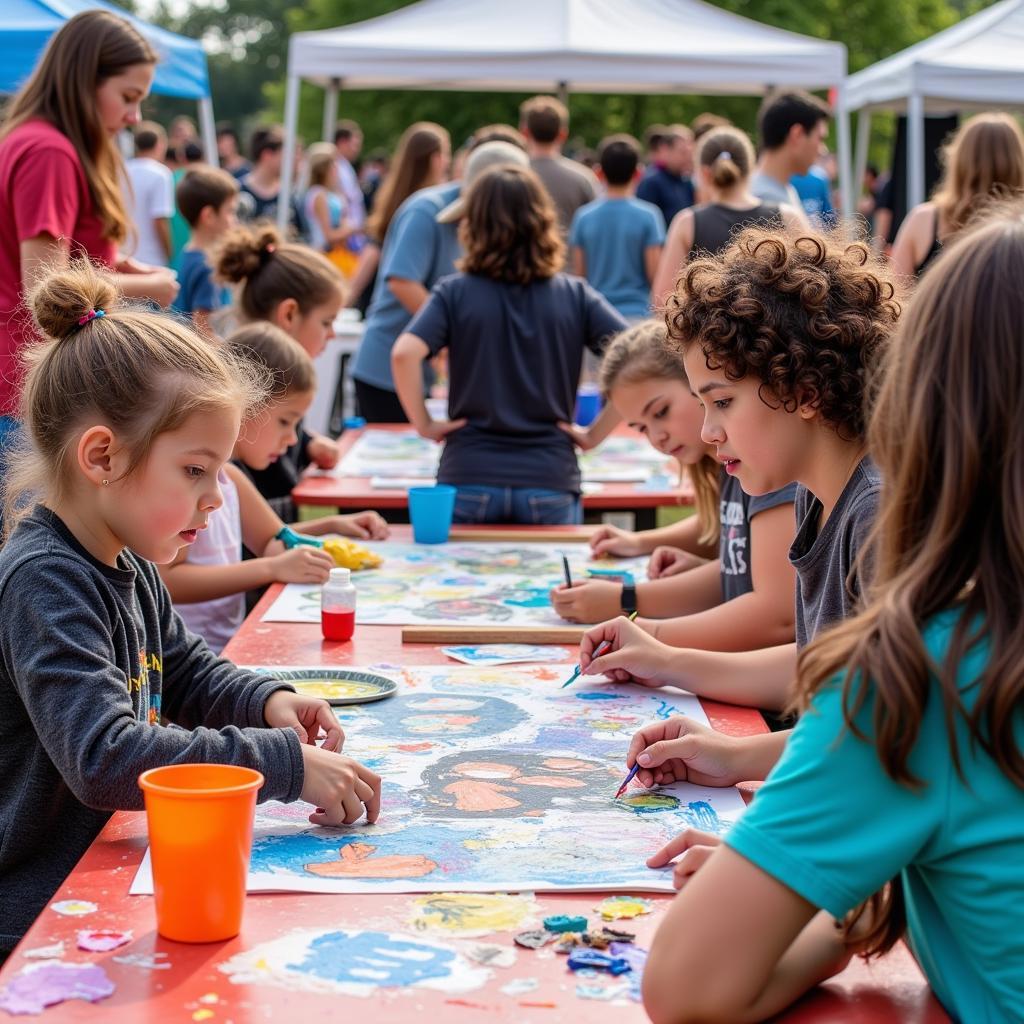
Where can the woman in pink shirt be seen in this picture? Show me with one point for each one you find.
(61, 174)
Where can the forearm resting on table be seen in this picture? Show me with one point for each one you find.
(684, 594)
(759, 679)
(750, 621)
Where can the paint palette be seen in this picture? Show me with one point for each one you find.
(337, 686)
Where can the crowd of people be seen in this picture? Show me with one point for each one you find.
(845, 418)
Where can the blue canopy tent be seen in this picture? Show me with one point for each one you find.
(26, 27)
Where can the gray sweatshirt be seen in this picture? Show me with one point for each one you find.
(91, 657)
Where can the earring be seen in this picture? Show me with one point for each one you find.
(105, 482)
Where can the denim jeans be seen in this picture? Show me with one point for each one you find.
(528, 505)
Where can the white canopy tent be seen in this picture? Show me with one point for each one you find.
(595, 46)
(976, 63)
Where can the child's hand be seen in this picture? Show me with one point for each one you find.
(302, 565)
(323, 451)
(634, 656)
(592, 601)
(306, 715)
(339, 788)
(610, 540)
(581, 436)
(438, 430)
(679, 749)
(693, 848)
(364, 525)
(666, 561)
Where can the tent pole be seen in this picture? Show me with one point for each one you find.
(915, 149)
(861, 156)
(330, 109)
(208, 131)
(563, 93)
(843, 153)
(291, 125)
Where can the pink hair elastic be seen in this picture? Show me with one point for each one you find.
(93, 314)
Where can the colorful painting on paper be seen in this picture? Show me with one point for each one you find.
(481, 584)
(495, 780)
(404, 454)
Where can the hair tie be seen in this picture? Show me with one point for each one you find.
(270, 248)
(93, 314)
(724, 155)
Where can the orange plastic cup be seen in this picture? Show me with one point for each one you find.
(200, 819)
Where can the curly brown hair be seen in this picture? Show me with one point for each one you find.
(510, 229)
(808, 315)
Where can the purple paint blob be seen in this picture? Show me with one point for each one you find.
(41, 985)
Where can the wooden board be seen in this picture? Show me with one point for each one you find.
(492, 634)
(535, 534)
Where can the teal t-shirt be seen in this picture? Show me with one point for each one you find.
(834, 827)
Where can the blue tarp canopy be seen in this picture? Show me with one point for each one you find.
(26, 27)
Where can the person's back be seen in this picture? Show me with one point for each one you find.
(715, 225)
(615, 242)
(615, 235)
(151, 198)
(514, 358)
(544, 122)
(570, 185)
(815, 192)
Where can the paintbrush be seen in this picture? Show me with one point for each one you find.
(602, 648)
(628, 779)
(568, 575)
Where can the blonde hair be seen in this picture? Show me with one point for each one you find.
(288, 366)
(274, 270)
(729, 154)
(983, 160)
(142, 373)
(641, 353)
(90, 48)
(320, 159)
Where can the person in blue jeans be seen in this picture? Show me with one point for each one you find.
(515, 329)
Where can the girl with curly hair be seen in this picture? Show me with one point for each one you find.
(515, 328)
(779, 336)
(896, 808)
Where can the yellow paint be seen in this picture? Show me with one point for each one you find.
(203, 1014)
(459, 913)
(335, 689)
(622, 908)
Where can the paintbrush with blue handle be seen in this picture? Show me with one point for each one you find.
(628, 779)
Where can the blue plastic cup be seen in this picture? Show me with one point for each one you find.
(588, 404)
(430, 509)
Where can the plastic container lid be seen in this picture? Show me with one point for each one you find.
(340, 576)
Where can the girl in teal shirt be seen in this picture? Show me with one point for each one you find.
(897, 809)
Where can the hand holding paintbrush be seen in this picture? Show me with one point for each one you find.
(602, 648)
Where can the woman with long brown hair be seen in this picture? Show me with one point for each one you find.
(515, 328)
(422, 159)
(984, 160)
(61, 173)
(904, 777)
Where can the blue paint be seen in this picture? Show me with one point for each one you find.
(664, 709)
(702, 815)
(600, 695)
(374, 958)
(582, 959)
(561, 923)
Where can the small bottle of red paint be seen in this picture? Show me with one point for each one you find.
(338, 606)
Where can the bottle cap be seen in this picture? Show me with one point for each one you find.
(354, 423)
(340, 576)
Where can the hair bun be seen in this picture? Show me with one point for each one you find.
(63, 297)
(244, 250)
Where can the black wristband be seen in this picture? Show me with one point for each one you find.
(628, 598)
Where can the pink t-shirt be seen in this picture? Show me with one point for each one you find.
(43, 190)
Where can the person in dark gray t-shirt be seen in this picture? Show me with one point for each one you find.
(829, 576)
(737, 509)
